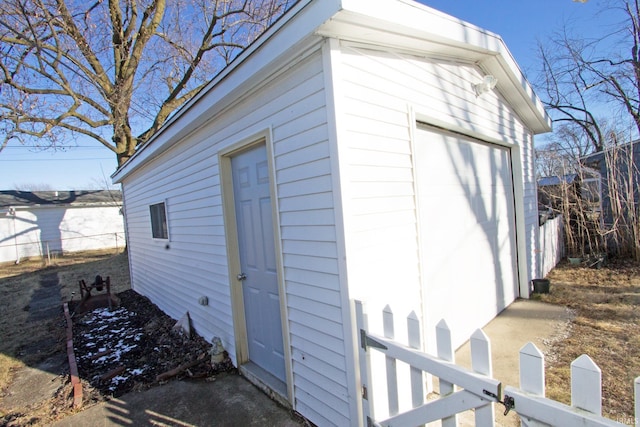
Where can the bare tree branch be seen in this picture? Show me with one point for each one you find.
(114, 70)
(579, 77)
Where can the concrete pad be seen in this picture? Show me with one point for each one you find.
(230, 400)
(522, 322)
(32, 385)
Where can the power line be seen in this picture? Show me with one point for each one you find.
(56, 160)
(63, 148)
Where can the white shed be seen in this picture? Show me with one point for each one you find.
(39, 223)
(350, 153)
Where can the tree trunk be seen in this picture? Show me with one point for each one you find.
(125, 143)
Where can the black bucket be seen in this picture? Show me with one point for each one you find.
(541, 286)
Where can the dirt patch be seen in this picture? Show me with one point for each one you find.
(606, 327)
(24, 287)
(35, 388)
(129, 347)
(33, 331)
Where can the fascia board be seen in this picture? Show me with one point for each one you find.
(296, 25)
(425, 31)
(515, 88)
(420, 21)
(401, 24)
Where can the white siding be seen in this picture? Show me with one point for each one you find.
(21, 235)
(31, 231)
(186, 177)
(8, 248)
(87, 228)
(377, 93)
(530, 205)
(380, 90)
(381, 95)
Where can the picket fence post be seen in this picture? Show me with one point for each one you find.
(532, 370)
(481, 363)
(586, 385)
(365, 364)
(445, 352)
(532, 377)
(392, 371)
(636, 385)
(417, 378)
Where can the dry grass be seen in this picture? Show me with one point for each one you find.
(27, 342)
(606, 324)
(606, 327)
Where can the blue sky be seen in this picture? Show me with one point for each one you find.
(519, 22)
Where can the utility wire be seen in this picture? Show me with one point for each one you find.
(55, 160)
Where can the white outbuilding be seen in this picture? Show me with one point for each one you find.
(371, 150)
(42, 224)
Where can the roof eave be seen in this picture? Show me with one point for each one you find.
(417, 28)
(407, 25)
(64, 205)
(297, 24)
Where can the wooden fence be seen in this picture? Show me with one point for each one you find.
(462, 389)
(550, 245)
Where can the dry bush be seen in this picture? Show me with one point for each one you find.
(600, 213)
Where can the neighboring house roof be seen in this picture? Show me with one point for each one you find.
(394, 24)
(13, 198)
(557, 180)
(598, 156)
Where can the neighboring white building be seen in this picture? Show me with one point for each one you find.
(347, 154)
(37, 224)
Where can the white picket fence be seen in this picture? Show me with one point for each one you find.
(461, 389)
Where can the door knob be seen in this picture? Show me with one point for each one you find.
(241, 277)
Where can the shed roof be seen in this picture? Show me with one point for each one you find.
(14, 198)
(395, 24)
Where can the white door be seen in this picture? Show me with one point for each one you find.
(467, 230)
(258, 260)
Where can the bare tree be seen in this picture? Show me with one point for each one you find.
(562, 153)
(581, 76)
(567, 189)
(114, 70)
(591, 88)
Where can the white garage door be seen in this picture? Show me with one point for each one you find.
(467, 228)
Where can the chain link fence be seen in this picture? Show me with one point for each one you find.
(48, 250)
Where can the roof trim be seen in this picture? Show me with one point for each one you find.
(52, 199)
(403, 24)
(426, 31)
(287, 32)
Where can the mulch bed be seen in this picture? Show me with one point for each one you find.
(134, 346)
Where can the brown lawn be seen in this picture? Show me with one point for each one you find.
(606, 324)
(606, 327)
(25, 342)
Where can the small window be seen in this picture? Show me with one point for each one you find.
(159, 221)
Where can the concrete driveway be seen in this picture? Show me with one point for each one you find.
(522, 322)
(230, 400)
